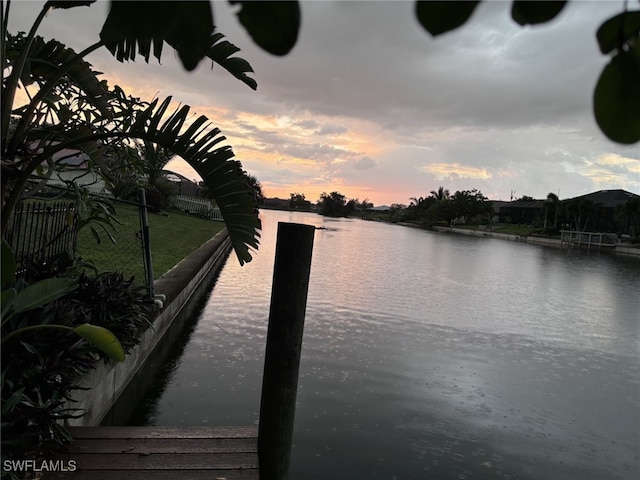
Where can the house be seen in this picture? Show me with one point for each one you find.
(524, 212)
(183, 185)
(608, 199)
(74, 165)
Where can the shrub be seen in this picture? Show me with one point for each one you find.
(40, 367)
(110, 301)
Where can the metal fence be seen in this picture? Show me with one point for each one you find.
(129, 253)
(40, 232)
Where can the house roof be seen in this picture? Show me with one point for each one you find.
(70, 158)
(608, 198)
(176, 177)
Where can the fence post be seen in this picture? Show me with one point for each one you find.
(284, 343)
(144, 225)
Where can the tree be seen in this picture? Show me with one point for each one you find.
(552, 203)
(629, 216)
(579, 212)
(336, 205)
(440, 194)
(70, 107)
(364, 206)
(256, 188)
(298, 202)
(471, 205)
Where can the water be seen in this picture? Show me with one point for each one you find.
(429, 355)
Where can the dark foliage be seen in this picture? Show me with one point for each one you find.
(40, 368)
(111, 301)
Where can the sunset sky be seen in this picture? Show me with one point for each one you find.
(368, 104)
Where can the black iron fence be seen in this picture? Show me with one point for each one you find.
(40, 232)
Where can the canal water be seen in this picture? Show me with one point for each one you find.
(428, 356)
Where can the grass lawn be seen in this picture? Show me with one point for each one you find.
(173, 237)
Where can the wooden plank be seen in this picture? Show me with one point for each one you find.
(162, 461)
(162, 445)
(161, 453)
(164, 432)
(156, 475)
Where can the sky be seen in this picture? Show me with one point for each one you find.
(370, 105)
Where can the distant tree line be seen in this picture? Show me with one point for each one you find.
(473, 207)
(335, 204)
(470, 206)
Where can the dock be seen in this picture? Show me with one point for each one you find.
(136, 453)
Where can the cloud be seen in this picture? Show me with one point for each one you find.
(455, 170)
(366, 99)
(611, 170)
(363, 163)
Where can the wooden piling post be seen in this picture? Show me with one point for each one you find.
(284, 343)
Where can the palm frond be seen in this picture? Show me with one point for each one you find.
(143, 26)
(187, 26)
(45, 60)
(220, 52)
(197, 142)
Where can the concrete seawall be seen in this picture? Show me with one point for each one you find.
(530, 239)
(106, 383)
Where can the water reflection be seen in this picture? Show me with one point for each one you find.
(432, 356)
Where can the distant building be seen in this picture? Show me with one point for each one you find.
(529, 211)
(72, 165)
(608, 198)
(524, 212)
(184, 186)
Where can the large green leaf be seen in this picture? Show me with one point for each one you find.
(102, 339)
(43, 292)
(618, 30)
(273, 25)
(438, 17)
(45, 60)
(198, 143)
(220, 52)
(8, 264)
(526, 12)
(7, 299)
(139, 25)
(616, 98)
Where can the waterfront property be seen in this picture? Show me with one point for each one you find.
(427, 354)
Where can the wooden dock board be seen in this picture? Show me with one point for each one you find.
(135, 453)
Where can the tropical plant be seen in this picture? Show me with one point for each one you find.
(54, 330)
(256, 188)
(72, 108)
(440, 194)
(552, 203)
(15, 300)
(333, 205)
(628, 214)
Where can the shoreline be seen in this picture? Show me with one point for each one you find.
(618, 249)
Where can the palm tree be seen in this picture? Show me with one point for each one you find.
(89, 116)
(552, 201)
(415, 205)
(440, 194)
(256, 188)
